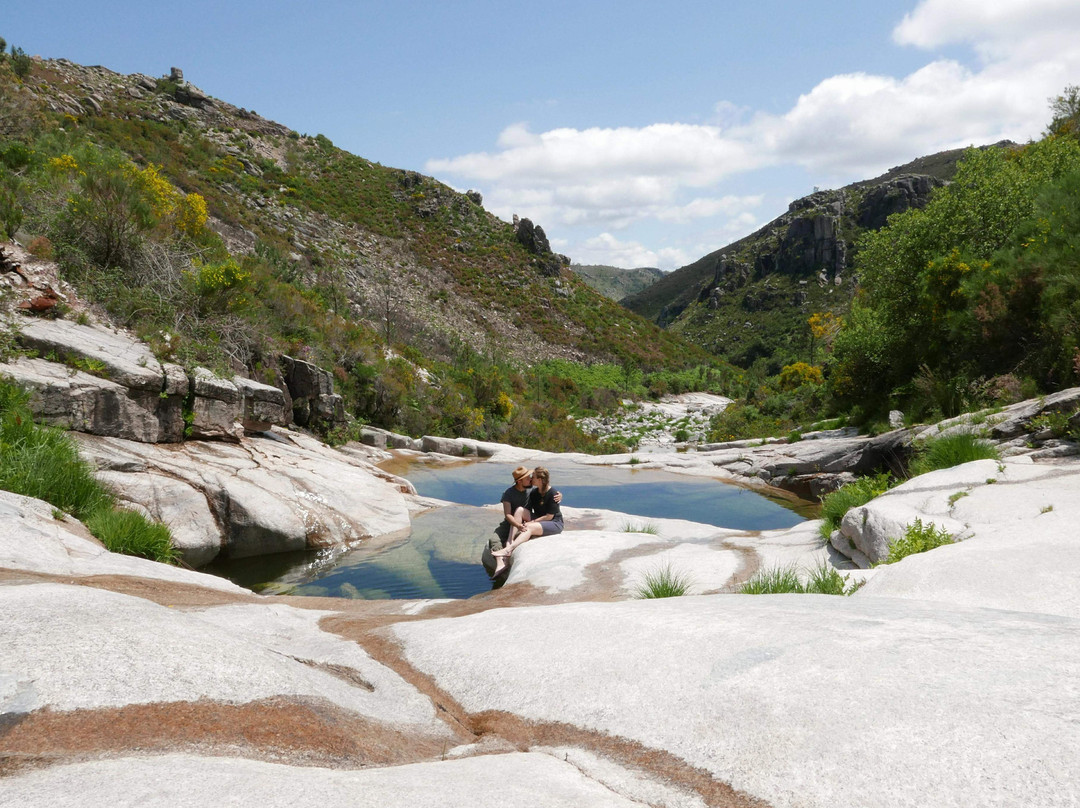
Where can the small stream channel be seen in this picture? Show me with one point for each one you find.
(440, 556)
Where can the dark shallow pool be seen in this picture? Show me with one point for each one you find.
(440, 558)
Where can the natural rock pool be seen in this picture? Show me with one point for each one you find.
(439, 558)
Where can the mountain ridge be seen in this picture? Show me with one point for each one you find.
(748, 301)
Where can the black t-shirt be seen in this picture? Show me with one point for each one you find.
(517, 499)
(544, 504)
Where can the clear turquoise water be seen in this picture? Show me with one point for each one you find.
(440, 558)
(640, 492)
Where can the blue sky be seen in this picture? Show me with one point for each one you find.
(636, 133)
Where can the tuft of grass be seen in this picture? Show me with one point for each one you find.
(774, 581)
(950, 450)
(852, 495)
(954, 498)
(664, 582)
(917, 538)
(643, 527)
(131, 533)
(43, 462)
(823, 579)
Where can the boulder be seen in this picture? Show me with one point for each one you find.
(446, 446)
(270, 492)
(33, 540)
(262, 405)
(373, 436)
(72, 399)
(311, 390)
(216, 409)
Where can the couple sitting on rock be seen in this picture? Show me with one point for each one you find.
(528, 512)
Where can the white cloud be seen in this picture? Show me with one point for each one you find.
(934, 23)
(706, 207)
(846, 127)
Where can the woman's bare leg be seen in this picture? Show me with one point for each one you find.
(531, 531)
(523, 516)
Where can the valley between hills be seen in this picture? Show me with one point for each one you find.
(222, 339)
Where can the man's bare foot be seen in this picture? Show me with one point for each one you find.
(503, 553)
(500, 567)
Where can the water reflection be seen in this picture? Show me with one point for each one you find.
(438, 559)
(639, 492)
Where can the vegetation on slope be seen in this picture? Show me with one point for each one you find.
(614, 282)
(228, 240)
(977, 296)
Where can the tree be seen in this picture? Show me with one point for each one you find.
(20, 62)
(1066, 110)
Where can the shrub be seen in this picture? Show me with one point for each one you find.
(11, 214)
(664, 583)
(917, 538)
(42, 462)
(795, 376)
(852, 495)
(950, 450)
(21, 62)
(777, 580)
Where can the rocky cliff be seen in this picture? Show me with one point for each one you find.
(750, 300)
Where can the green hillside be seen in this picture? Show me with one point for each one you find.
(242, 240)
(614, 282)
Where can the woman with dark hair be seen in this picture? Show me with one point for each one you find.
(543, 518)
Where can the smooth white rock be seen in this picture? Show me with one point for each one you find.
(179, 781)
(800, 700)
(32, 540)
(133, 651)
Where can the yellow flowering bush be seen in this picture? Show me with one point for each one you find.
(191, 214)
(795, 376)
(223, 276)
(64, 164)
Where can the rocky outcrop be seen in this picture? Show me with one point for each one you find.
(749, 298)
(105, 382)
(272, 701)
(311, 390)
(894, 196)
(100, 381)
(533, 239)
(271, 493)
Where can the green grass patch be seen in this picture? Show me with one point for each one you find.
(917, 538)
(641, 527)
(43, 463)
(821, 580)
(950, 450)
(664, 583)
(131, 533)
(852, 495)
